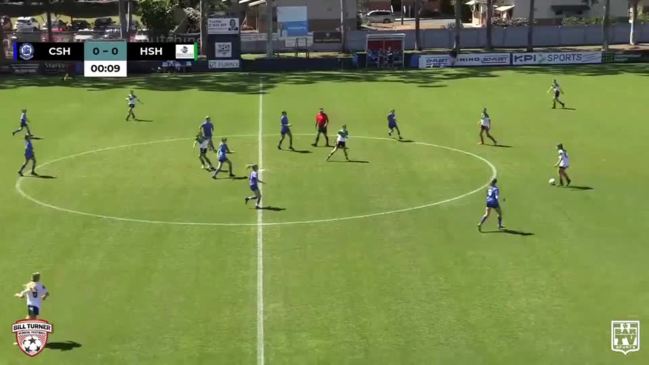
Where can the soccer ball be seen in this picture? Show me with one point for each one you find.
(552, 181)
(32, 344)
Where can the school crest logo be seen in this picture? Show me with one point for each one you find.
(31, 335)
(26, 51)
(625, 336)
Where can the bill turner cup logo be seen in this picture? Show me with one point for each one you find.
(26, 51)
(31, 335)
(625, 336)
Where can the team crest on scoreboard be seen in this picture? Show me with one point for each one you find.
(26, 51)
(625, 336)
(31, 335)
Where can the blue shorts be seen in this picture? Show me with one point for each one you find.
(254, 188)
(392, 125)
(33, 310)
(223, 159)
(29, 156)
(492, 204)
(23, 124)
(285, 130)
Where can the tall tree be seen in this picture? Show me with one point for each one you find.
(458, 26)
(530, 28)
(48, 10)
(633, 5)
(605, 24)
(490, 9)
(418, 25)
(122, 18)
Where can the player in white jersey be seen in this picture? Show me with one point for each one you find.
(35, 292)
(341, 142)
(131, 98)
(485, 127)
(203, 145)
(24, 123)
(563, 163)
(556, 91)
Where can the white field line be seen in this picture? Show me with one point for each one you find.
(236, 224)
(260, 237)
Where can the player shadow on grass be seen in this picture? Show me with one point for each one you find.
(272, 208)
(571, 109)
(405, 140)
(143, 120)
(580, 187)
(350, 161)
(511, 231)
(41, 176)
(63, 346)
(502, 145)
(301, 151)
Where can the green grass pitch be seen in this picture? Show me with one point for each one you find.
(421, 286)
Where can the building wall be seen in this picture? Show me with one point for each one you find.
(619, 8)
(324, 15)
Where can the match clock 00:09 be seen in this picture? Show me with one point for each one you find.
(104, 68)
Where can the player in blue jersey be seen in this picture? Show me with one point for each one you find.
(254, 182)
(24, 123)
(392, 124)
(493, 196)
(131, 99)
(341, 142)
(286, 130)
(222, 154)
(207, 131)
(203, 144)
(29, 156)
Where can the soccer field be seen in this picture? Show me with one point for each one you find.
(375, 261)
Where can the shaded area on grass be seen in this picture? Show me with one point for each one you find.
(63, 346)
(248, 83)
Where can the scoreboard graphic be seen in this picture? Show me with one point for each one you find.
(105, 58)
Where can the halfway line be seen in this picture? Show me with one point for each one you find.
(260, 237)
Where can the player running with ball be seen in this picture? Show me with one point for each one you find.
(131, 98)
(341, 142)
(493, 195)
(563, 163)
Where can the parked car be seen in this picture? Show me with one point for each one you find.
(103, 22)
(26, 24)
(79, 24)
(380, 16)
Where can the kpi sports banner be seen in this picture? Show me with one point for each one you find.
(556, 58)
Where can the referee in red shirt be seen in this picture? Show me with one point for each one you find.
(321, 123)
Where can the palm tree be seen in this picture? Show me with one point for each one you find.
(530, 28)
(605, 24)
(490, 9)
(417, 25)
(633, 4)
(458, 26)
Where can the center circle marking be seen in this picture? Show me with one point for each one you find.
(25, 195)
